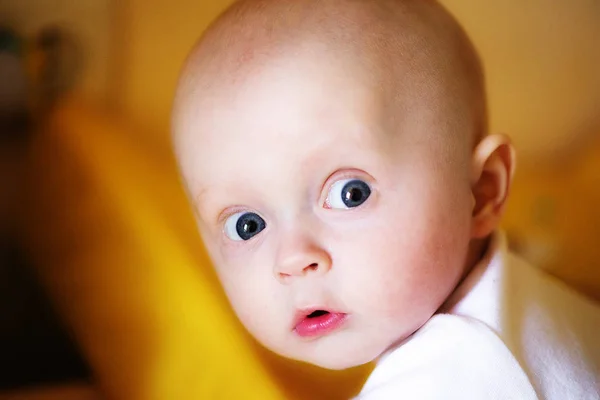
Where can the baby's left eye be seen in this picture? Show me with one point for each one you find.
(347, 193)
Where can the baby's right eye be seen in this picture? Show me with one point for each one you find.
(244, 226)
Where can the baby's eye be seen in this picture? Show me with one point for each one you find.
(244, 226)
(347, 193)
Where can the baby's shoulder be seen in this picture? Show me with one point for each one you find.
(552, 330)
(450, 357)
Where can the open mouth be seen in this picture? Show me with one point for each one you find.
(317, 313)
(318, 322)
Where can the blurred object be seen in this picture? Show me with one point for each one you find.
(67, 392)
(9, 41)
(34, 347)
(13, 125)
(87, 22)
(553, 218)
(60, 63)
(13, 81)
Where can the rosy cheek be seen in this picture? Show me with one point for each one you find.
(398, 266)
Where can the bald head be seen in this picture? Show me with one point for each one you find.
(401, 46)
(412, 53)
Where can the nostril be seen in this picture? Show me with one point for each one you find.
(313, 266)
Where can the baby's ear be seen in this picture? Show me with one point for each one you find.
(493, 167)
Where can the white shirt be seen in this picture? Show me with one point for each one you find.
(508, 331)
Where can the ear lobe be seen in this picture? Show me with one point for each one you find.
(493, 169)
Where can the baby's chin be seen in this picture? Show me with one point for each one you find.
(336, 357)
(338, 362)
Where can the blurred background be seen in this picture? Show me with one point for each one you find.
(105, 291)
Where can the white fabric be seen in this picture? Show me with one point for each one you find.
(509, 331)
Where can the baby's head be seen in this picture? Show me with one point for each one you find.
(337, 158)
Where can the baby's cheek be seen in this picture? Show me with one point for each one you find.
(404, 274)
(372, 274)
(258, 307)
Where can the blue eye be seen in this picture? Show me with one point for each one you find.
(244, 226)
(347, 193)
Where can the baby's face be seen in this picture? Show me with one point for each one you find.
(336, 230)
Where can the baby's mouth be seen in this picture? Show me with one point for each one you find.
(318, 322)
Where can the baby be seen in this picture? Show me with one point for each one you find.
(348, 193)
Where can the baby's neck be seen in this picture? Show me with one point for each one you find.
(477, 251)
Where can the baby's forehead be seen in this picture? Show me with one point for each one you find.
(389, 69)
(304, 95)
(285, 105)
(292, 129)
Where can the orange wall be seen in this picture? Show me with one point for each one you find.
(542, 58)
(157, 35)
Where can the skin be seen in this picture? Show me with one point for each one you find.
(282, 99)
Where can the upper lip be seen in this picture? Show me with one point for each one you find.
(302, 313)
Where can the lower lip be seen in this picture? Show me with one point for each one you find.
(319, 326)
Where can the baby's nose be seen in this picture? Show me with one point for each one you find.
(299, 259)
